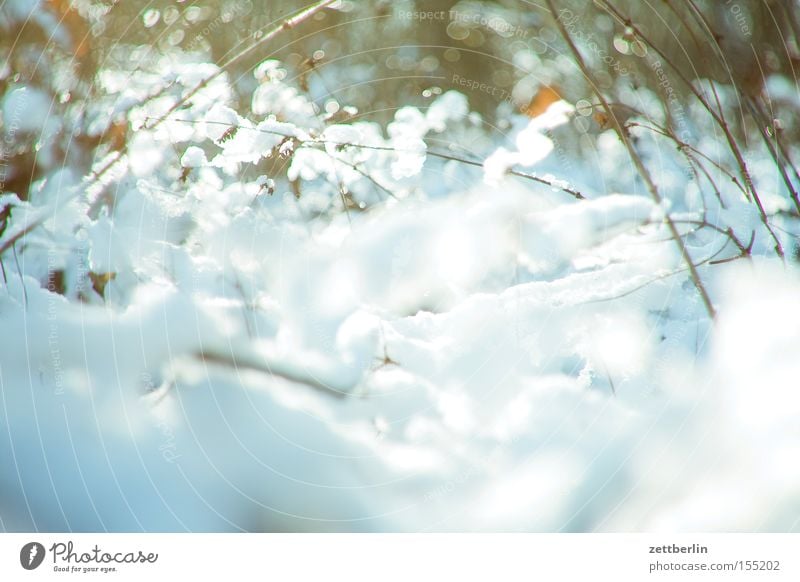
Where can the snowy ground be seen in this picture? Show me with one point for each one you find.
(474, 352)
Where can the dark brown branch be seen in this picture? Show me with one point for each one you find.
(637, 160)
(240, 362)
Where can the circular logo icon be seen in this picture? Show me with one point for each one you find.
(31, 555)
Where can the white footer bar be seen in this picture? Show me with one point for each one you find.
(400, 557)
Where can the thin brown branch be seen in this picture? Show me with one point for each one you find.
(287, 24)
(751, 192)
(762, 122)
(240, 362)
(636, 159)
(433, 153)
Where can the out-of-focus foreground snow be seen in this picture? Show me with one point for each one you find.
(494, 412)
(465, 355)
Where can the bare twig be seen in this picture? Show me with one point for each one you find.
(691, 154)
(751, 192)
(650, 281)
(13, 239)
(287, 24)
(433, 153)
(637, 160)
(231, 360)
(778, 157)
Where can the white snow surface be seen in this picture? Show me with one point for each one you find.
(454, 352)
(410, 378)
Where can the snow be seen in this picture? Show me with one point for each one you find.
(193, 157)
(490, 418)
(465, 352)
(451, 106)
(25, 109)
(532, 144)
(145, 155)
(410, 157)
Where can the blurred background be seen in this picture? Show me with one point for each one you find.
(380, 55)
(706, 91)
